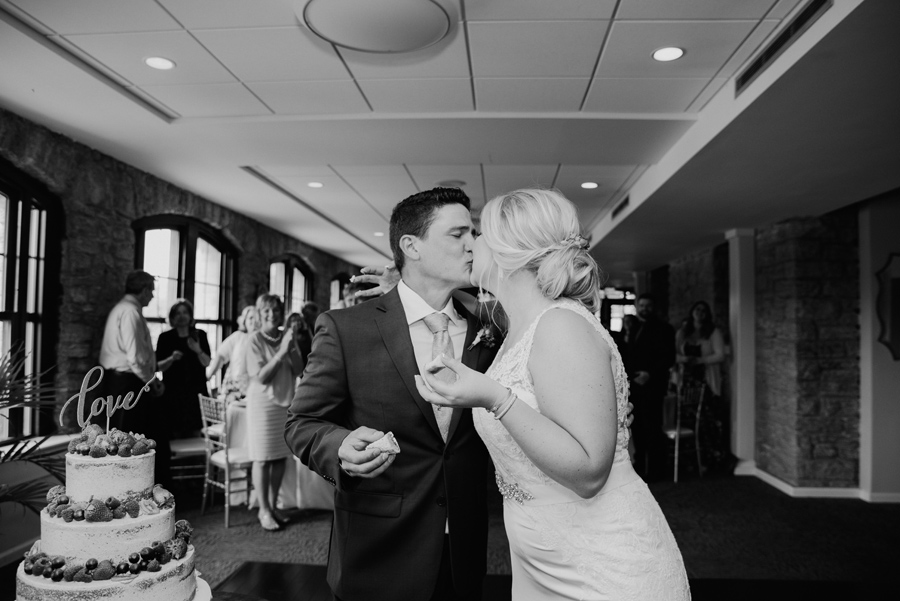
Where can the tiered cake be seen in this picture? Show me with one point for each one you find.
(110, 534)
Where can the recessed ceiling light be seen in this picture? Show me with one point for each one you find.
(158, 62)
(378, 234)
(589, 185)
(451, 183)
(670, 53)
(316, 185)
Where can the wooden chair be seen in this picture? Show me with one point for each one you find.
(221, 461)
(688, 409)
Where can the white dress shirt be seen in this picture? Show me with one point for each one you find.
(127, 346)
(416, 310)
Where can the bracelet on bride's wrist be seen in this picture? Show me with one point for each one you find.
(500, 408)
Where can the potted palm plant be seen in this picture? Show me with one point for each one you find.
(20, 390)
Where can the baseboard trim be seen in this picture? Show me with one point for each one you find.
(879, 497)
(822, 492)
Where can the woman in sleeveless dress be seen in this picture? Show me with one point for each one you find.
(551, 410)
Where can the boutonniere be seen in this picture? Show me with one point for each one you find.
(485, 337)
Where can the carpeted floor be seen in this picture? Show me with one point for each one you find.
(736, 528)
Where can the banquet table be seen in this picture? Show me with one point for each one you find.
(302, 488)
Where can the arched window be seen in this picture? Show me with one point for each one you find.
(31, 227)
(191, 260)
(291, 278)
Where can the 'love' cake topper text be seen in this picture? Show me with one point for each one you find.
(101, 405)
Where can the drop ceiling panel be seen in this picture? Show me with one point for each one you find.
(299, 171)
(430, 176)
(338, 201)
(418, 95)
(213, 14)
(274, 54)
(591, 203)
(99, 16)
(643, 95)
(707, 44)
(535, 49)
(693, 9)
(530, 94)
(446, 59)
(310, 97)
(538, 10)
(209, 100)
(382, 186)
(500, 179)
(125, 53)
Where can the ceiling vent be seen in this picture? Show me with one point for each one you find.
(806, 17)
(619, 208)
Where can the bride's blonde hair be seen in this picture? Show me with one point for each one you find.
(538, 230)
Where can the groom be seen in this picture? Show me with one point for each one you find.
(413, 525)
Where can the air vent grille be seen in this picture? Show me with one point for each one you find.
(800, 23)
(619, 208)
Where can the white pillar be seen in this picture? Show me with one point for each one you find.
(742, 318)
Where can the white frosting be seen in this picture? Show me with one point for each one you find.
(115, 540)
(176, 581)
(105, 477)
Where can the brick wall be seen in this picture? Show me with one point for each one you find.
(807, 428)
(101, 197)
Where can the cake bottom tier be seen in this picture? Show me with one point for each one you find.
(176, 581)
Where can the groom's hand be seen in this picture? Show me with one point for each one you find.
(358, 462)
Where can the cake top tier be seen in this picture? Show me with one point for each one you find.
(110, 476)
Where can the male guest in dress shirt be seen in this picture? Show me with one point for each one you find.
(129, 362)
(413, 525)
(649, 353)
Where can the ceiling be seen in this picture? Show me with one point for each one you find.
(519, 93)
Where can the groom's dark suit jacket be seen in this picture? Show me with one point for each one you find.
(388, 532)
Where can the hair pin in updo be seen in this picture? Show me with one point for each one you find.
(575, 240)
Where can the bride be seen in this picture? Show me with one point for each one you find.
(551, 409)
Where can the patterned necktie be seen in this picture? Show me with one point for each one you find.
(441, 344)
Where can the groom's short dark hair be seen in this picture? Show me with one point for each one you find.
(414, 215)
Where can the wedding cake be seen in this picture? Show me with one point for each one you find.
(110, 532)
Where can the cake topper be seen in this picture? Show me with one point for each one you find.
(101, 405)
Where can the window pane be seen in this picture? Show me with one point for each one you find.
(208, 281)
(15, 256)
(298, 290)
(276, 279)
(161, 251)
(35, 261)
(5, 328)
(4, 219)
(156, 328)
(335, 293)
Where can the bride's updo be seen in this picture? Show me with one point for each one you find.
(538, 230)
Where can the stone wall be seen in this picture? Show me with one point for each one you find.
(101, 197)
(807, 428)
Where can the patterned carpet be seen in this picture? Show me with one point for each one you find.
(735, 528)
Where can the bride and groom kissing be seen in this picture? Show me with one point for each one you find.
(551, 411)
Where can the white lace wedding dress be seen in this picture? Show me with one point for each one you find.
(616, 545)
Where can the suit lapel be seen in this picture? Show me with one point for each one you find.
(391, 323)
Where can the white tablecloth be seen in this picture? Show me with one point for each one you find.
(302, 488)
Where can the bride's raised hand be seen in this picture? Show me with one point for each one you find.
(470, 389)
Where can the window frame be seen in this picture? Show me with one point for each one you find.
(27, 193)
(189, 231)
(293, 261)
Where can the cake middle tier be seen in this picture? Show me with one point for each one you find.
(115, 540)
(110, 476)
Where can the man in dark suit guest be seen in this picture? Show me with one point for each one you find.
(412, 525)
(649, 353)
